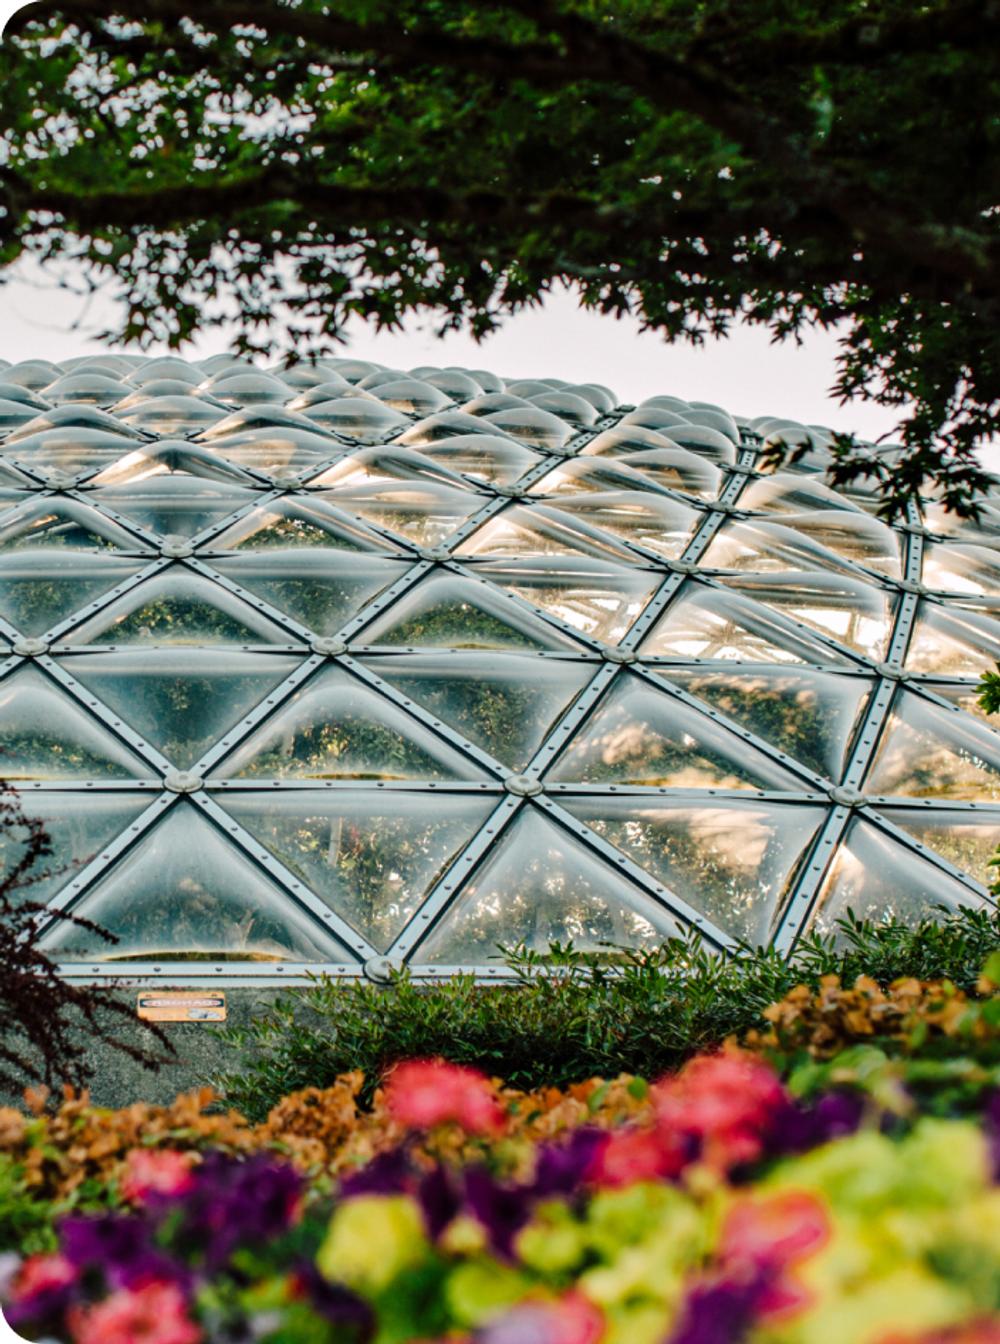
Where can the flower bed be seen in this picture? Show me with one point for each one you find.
(711, 1207)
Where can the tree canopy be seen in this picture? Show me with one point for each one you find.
(793, 163)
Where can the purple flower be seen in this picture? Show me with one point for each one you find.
(352, 1316)
(801, 1126)
(440, 1198)
(236, 1203)
(121, 1248)
(502, 1209)
(560, 1168)
(387, 1173)
(719, 1312)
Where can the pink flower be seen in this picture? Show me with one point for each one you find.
(150, 1171)
(153, 1314)
(572, 1319)
(422, 1093)
(631, 1155)
(766, 1237)
(725, 1101)
(42, 1273)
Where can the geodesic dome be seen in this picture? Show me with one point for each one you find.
(338, 666)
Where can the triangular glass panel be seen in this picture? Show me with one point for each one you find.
(76, 419)
(731, 861)
(424, 513)
(450, 612)
(392, 464)
(177, 505)
(952, 641)
(505, 703)
(967, 839)
(65, 523)
(71, 451)
(853, 536)
(809, 715)
(877, 878)
(165, 457)
(277, 451)
(541, 886)
(652, 457)
(639, 736)
(599, 475)
(184, 893)
(322, 589)
(483, 457)
(599, 598)
(711, 623)
(843, 608)
(261, 420)
(540, 530)
(790, 494)
(299, 522)
(77, 826)
(178, 607)
(45, 735)
(335, 727)
(972, 570)
(927, 751)
(182, 701)
(639, 517)
(40, 588)
(760, 547)
(371, 859)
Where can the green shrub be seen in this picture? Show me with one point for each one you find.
(571, 1015)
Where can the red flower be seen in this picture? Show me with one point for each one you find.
(154, 1314)
(766, 1237)
(727, 1102)
(631, 1155)
(572, 1319)
(42, 1273)
(422, 1093)
(151, 1171)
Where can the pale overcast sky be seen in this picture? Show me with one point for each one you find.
(746, 373)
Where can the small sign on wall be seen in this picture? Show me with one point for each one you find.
(181, 1006)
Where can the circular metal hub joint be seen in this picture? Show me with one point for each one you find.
(911, 586)
(382, 969)
(523, 787)
(437, 553)
(893, 670)
(29, 648)
(182, 781)
(684, 566)
(619, 655)
(58, 480)
(847, 797)
(330, 648)
(286, 483)
(509, 491)
(176, 548)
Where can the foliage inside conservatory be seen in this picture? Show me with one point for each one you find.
(340, 667)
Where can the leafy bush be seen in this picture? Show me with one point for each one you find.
(571, 1015)
(723, 1211)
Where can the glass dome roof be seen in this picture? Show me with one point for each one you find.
(337, 666)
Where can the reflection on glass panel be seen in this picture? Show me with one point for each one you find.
(65, 523)
(537, 428)
(371, 466)
(578, 474)
(483, 457)
(785, 493)
(853, 536)
(952, 642)
(965, 697)
(372, 860)
(276, 450)
(424, 513)
(77, 825)
(576, 411)
(71, 450)
(147, 461)
(45, 735)
(172, 416)
(810, 715)
(659, 524)
(452, 424)
(336, 727)
(176, 505)
(879, 879)
(69, 422)
(540, 530)
(929, 752)
(600, 598)
(185, 893)
(731, 861)
(178, 607)
(412, 396)
(361, 418)
(40, 588)
(709, 623)
(639, 736)
(764, 548)
(182, 700)
(265, 421)
(302, 521)
(967, 839)
(541, 886)
(450, 612)
(962, 569)
(842, 608)
(506, 703)
(322, 589)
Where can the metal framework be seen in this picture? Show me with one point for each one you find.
(806, 577)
